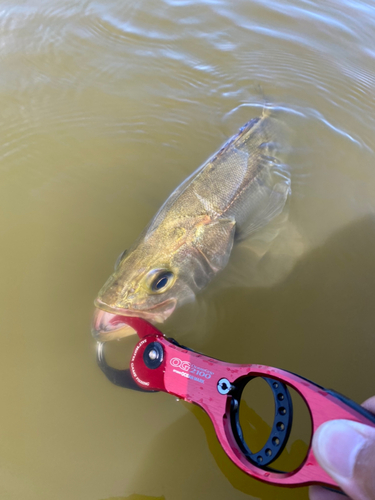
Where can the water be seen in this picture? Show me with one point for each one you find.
(105, 108)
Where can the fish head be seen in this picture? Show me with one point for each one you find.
(146, 284)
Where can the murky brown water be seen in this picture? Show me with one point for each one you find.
(105, 108)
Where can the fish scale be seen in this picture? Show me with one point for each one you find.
(238, 190)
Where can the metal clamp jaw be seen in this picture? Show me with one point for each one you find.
(160, 364)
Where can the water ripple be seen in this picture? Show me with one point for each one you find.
(182, 61)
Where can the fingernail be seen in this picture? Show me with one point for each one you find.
(336, 445)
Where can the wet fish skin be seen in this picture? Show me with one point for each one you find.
(238, 190)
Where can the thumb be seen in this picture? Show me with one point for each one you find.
(346, 450)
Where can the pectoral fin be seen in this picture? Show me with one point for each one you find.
(214, 242)
(267, 199)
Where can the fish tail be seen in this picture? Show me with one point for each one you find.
(267, 106)
(266, 111)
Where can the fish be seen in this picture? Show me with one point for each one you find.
(237, 191)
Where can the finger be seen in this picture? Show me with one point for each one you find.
(319, 493)
(346, 450)
(369, 404)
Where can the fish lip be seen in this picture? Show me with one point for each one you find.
(133, 312)
(102, 329)
(104, 326)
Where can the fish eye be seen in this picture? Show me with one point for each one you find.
(119, 259)
(161, 281)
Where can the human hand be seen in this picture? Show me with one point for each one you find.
(346, 450)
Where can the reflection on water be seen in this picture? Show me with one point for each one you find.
(200, 461)
(260, 431)
(105, 108)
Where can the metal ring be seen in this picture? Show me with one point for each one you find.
(121, 378)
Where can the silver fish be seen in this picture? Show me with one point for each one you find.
(237, 191)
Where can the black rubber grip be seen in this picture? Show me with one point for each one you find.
(349, 402)
(352, 404)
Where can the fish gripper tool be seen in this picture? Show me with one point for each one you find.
(161, 364)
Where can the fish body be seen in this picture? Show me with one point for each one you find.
(237, 191)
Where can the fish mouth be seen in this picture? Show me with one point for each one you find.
(109, 323)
